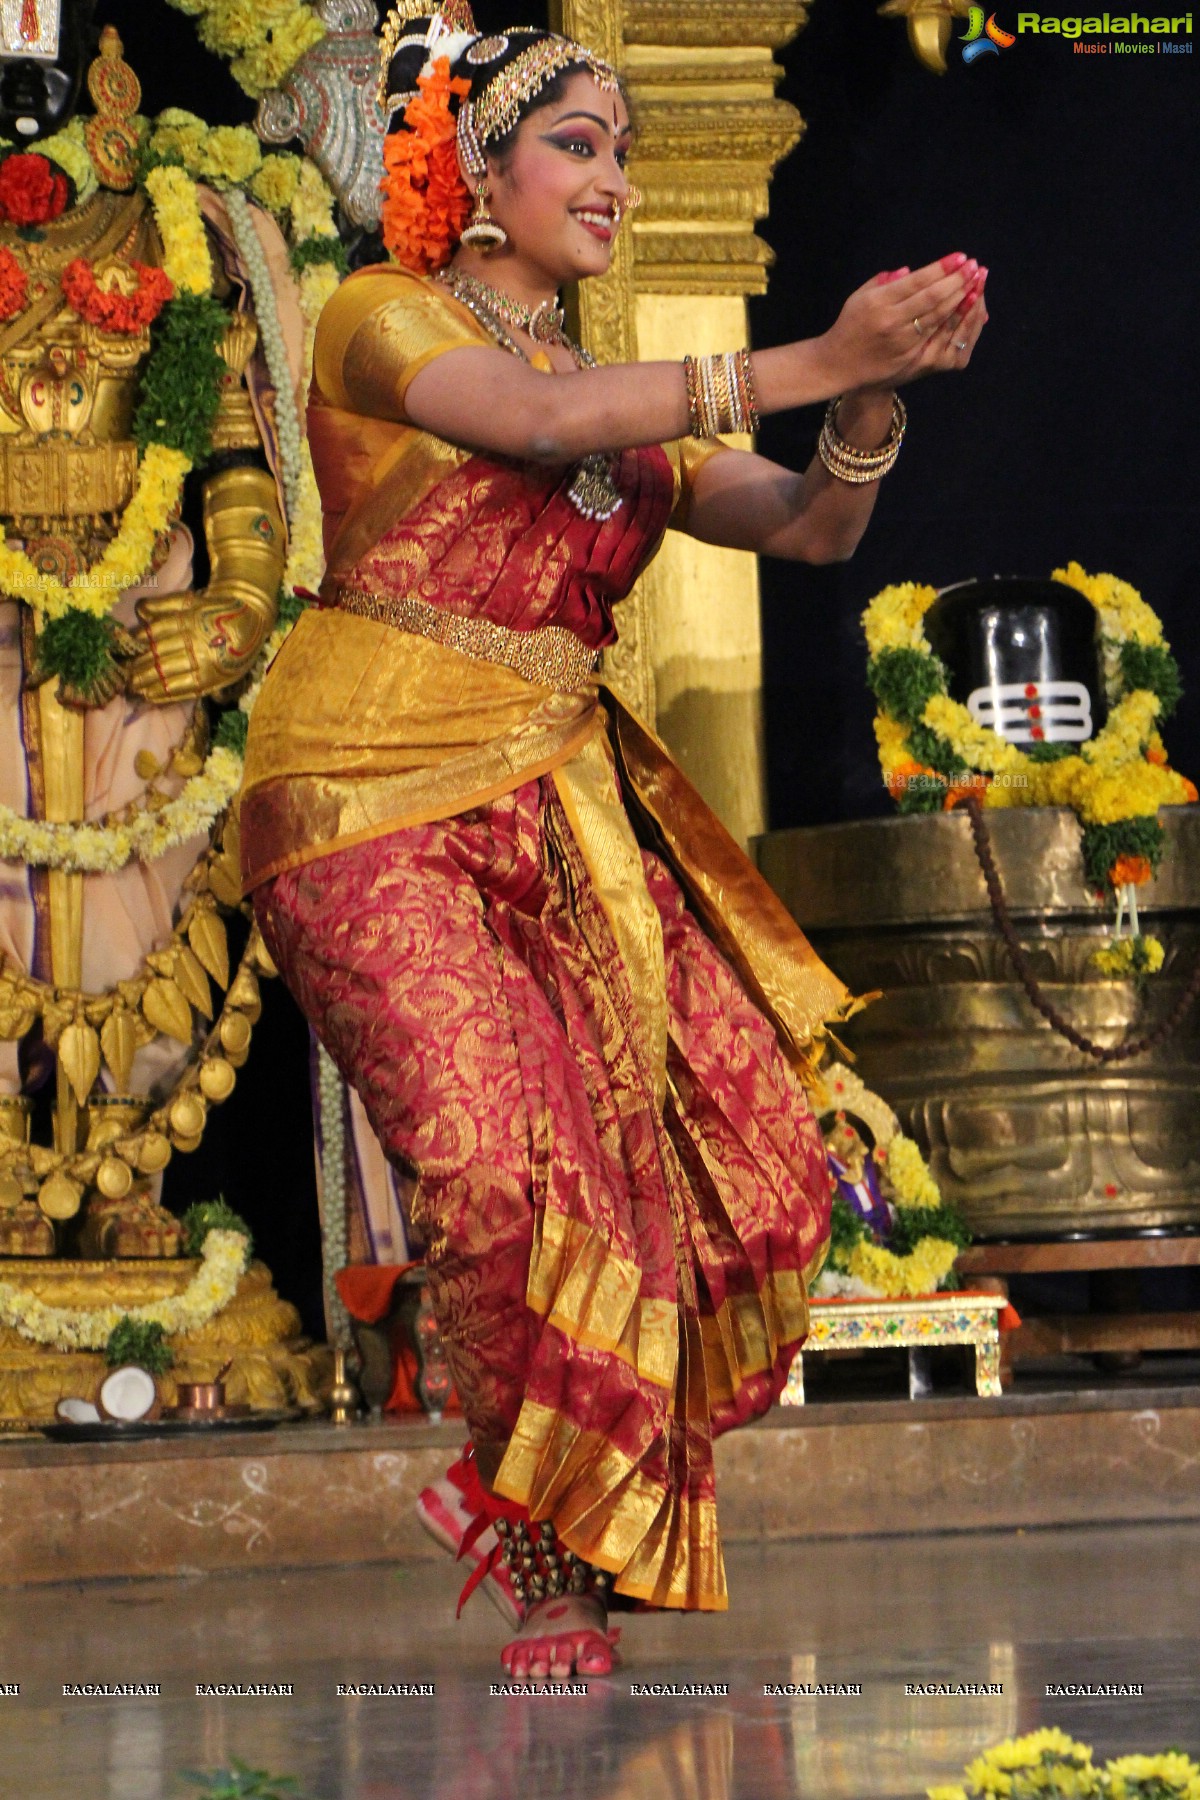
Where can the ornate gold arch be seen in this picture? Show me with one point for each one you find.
(710, 131)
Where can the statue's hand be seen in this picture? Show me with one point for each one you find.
(191, 644)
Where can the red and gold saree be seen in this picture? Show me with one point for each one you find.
(570, 1004)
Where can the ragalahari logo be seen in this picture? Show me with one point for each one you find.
(984, 38)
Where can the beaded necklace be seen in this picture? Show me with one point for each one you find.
(593, 492)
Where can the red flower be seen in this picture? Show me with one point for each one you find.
(14, 286)
(31, 191)
(108, 307)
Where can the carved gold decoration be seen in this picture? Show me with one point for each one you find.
(116, 92)
(273, 1365)
(235, 427)
(170, 996)
(930, 26)
(771, 22)
(1020, 1131)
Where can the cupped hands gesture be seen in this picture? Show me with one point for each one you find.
(904, 323)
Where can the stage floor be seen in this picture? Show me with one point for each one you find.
(1015, 1609)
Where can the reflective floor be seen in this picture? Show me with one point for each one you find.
(1018, 1611)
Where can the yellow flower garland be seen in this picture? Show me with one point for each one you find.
(907, 1182)
(186, 256)
(212, 1287)
(161, 471)
(126, 559)
(1109, 779)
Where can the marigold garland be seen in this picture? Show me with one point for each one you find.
(426, 203)
(262, 39)
(933, 753)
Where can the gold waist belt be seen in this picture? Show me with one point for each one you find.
(551, 656)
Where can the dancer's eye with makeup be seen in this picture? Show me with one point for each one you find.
(574, 146)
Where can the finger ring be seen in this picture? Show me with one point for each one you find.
(918, 328)
(960, 343)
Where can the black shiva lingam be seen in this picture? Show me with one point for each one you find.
(1022, 656)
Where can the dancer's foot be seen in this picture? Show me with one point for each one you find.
(446, 1516)
(560, 1638)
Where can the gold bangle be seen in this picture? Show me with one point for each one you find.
(846, 462)
(720, 393)
(691, 376)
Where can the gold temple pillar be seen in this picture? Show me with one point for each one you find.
(710, 131)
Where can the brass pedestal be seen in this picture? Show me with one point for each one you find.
(1027, 1135)
(272, 1365)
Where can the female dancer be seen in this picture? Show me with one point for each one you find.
(570, 1005)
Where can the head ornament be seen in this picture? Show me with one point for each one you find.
(490, 106)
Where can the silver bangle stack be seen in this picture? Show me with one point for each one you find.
(846, 462)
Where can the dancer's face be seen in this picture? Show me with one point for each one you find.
(560, 192)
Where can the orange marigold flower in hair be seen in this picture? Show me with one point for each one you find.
(426, 203)
(1135, 869)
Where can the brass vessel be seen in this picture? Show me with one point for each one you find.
(1026, 1134)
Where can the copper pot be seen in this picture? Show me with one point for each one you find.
(201, 1396)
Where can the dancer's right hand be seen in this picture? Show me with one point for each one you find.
(875, 339)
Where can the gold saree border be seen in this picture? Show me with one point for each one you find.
(580, 1286)
(587, 787)
(661, 1547)
(742, 915)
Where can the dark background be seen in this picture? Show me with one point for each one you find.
(1072, 434)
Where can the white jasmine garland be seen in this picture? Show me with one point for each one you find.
(287, 418)
(331, 1125)
(212, 1287)
(92, 849)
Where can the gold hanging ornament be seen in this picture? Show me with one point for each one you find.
(930, 26)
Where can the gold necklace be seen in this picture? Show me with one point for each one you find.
(593, 492)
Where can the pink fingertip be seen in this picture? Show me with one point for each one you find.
(954, 261)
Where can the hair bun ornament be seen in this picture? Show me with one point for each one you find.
(425, 199)
(450, 17)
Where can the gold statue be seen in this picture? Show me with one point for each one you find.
(102, 989)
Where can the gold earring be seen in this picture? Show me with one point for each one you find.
(483, 233)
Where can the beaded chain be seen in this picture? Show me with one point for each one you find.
(592, 493)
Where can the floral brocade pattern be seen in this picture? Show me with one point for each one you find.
(615, 1284)
(504, 543)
